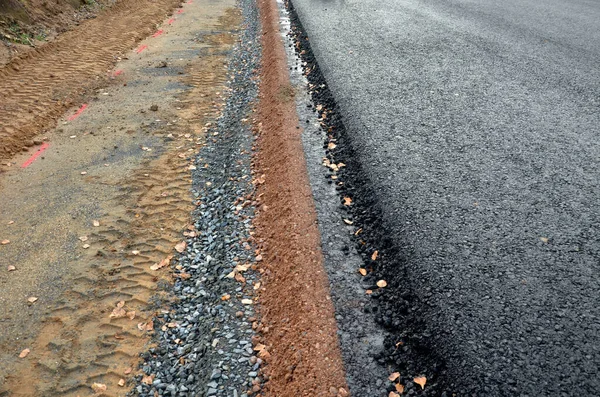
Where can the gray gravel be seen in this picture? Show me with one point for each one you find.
(474, 127)
(205, 342)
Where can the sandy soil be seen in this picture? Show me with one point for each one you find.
(107, 199)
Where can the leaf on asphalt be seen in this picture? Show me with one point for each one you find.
(331, 146)
(83, 238)
(374, 256)
(382, 283)
(359, 231)
(98, 387)
(11, 268)
(121, 382)
(147, 379)
(347, 201)
(362, 271)
(24, 353)
(180, 247)
(368, 292)
(131, 315)
(226, 297)
(394, 376)
(4, 242)
(247, 301)
(32, 299)
(421, 380)
(544, 239)
(162, 263)
(95, 223)
(348, 222)
(399, 388)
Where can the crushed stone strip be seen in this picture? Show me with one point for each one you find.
(206, 341)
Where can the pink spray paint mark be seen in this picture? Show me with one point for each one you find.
(78, 112)
(158, 33)
(35, 155)
(141, 48)
(117, 73)
(170, 21)
(189, 2)
(180, 11)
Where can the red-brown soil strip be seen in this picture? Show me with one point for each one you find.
(297, 324)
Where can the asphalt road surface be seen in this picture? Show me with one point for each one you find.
(478, 123)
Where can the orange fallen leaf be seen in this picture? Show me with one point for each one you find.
(147, 379)
(382, 284)
(374, 256)
(331, 146)
(399, 388)
(11, 268)
(347, 201)
(4, 242)
(368, 292)
(421, 380)
(394, 376)
(24, 353)
(118, 312)
(226, 297)
(98, 387)
(240, 278)
(362, 271)
(180, 247)
(162, 263)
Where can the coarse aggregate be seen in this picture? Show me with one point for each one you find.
(204, 341)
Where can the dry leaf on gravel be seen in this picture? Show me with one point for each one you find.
(121, 382)
(95, 223)
(85, 246)
(347, 201)
(331, 146)
(11, 268)
(83, 238)
(421, 380)
(240, 278)
(544, 239)
(4, 242)
(362, 271)
(382, 283)
(226, 297)
(392, 394)
(399, 388)
(149, 326)
(374, 256)
(368, 292)
(256, 286)
(394, 376)
(242, 268)
(24, 353)
(131, 315)
(147, 379)
(162, 263)
(32, 299)
(348, 222)
(98, 387)
(180, 247)
(247, 301)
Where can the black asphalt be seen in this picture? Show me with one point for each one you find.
(476, 124)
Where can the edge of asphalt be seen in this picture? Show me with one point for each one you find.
(360, 337)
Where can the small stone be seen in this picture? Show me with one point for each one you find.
(154, 108)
